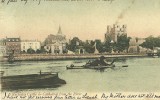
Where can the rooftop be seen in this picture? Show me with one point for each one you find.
(13, 39)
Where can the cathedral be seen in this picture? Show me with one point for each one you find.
(56, 44)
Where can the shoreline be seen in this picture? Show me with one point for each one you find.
(48, 57)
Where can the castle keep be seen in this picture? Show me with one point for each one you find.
(113, 32)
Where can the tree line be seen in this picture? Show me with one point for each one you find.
(121, 45)
(151, 42)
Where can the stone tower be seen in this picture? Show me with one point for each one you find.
(113, 32)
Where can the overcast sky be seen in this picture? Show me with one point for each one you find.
(84, 19)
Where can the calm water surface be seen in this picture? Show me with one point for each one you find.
(141, 75)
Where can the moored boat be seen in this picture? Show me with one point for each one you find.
(42, 80)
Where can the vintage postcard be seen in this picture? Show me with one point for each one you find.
(79, 49)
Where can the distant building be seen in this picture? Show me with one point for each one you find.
(13, 45)
(113, 32)
(134, 45)
(27, 44)
(56, 44)
(2, 47)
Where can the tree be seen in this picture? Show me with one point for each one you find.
(100, 46)
(151, 42)
(30, 51)
(65, 51)
(122, 43)
(74, 44)
(43, 50)
(38, 51)
(107, 46)
(89, 46)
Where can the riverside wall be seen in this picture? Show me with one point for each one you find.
(40, 57)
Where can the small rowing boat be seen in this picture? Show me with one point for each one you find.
(89, 67)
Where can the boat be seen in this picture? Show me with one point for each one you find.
(76, 67)
(90, 67)
(96, 64)
(124, 65)
(41, 80)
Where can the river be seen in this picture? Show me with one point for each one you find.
(141, 75)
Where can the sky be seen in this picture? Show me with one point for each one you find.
(87, 20)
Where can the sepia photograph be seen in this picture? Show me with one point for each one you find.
(79, 49)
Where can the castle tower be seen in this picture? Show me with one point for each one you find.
(107, 34)
(124, 29)
(114, 31)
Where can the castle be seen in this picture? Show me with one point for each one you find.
(113, 32)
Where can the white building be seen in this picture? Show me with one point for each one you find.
(27, 44)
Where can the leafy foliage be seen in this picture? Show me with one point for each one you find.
(107, 46)
(100, 46)
(38, 51)
(74, 44)
(122, 43)
(43, 50)
(151, 42)
(89, 47)
(30, 51)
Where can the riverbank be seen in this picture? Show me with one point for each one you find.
(40, 57)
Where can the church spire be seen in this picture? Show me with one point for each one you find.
(59, 31)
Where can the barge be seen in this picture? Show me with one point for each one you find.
(42, 80)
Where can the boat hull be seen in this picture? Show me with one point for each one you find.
(91, 67)
(31, 81)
